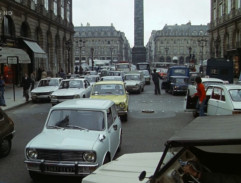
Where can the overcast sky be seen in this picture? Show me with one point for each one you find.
(157, 13)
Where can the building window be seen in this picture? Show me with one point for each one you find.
(220, 9)
(62, 9)
(55, 7)
(229, 6)
(46, 4)
(7, 26)
(68, 11)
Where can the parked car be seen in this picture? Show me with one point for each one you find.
(45, 88)
(134, 81)
(147, 76)
(178, 84)
(199, 144)
(6, 133)
(71, 89)
(78, 136)
(111, 78)
(115, 91)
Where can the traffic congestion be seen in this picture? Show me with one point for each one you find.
(83, 129)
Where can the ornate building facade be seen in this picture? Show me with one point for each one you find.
(105, 41)
(225, 31)
(34, 34)
(181, 44)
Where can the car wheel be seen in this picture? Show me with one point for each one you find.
(5, 147)
(35, 176)
(107, 159)
(125, 117)
(119, 147)
(142, 89)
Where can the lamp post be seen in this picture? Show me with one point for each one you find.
(68, 46)
(202, 42)
(190, 54)
(166, 49)
(92, 58)
(111, 49)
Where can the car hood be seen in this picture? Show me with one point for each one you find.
(126, 168)
(65, 138)
(115, 98)
(69, 91)
(44, 89)
(132, 82)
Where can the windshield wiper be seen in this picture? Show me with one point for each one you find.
(77, 127)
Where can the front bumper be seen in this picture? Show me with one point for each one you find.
(60, 168)
(133, 88)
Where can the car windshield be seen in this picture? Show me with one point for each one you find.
(180, 80)
(43, 83)
(235, 95)
(111, 78)
(53, 82)
(108, 89)
(91, 79)
(132, 77)
(71, 84)
(76, 119)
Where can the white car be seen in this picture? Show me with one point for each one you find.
(92, 78)
(71, 89)
(45, 88)
(190, 103)
(79, 136)
(134, 82)
(147, 76)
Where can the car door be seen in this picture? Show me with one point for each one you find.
(214, 100)
(87, 87)
(224, 104)
(113, 129)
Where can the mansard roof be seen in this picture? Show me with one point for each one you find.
(96, 31)
(186, 30)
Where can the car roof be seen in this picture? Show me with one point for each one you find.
(212, 79)
(207, 131)
(85, 103)
(231, 86)
(109, 82)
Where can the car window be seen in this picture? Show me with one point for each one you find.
(43, 83)
(108, 89)
(77, 119)
(76, 84)
(109, 118)
(53, 82)
(235, 95)
(216, 94)
(64, 84)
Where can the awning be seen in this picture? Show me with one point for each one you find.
(11, 55)
(37, 50)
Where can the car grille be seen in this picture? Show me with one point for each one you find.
(46, 93)
(65, 97)
(56, 155)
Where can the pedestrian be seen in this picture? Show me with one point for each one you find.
(32, 77)
(155, 79)
(201, 94)
(39, 73)
(44, 74)
(2, 85)
(26, 83)
(61, 73)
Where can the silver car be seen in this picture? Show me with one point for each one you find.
(79, 136)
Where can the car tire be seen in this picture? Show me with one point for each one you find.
(35, 176)
(125, 117)
(107, 159)
(5, 147)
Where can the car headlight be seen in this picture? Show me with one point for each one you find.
(122, 105)
(33, 94)
(32, 153)
(89, 156)
(53, 97)
(76, 96)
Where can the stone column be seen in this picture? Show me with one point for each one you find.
(138, 51)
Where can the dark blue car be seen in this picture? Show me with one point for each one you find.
(178, 84)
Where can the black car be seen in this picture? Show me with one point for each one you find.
(176, 84)
(6, 133)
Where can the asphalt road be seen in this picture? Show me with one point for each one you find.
(151, 121)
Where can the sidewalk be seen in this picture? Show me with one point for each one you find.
(12, 102)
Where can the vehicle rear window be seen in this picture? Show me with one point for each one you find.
(235, 95)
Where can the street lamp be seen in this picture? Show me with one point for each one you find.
(166, 49)
(111, 49)
(190, 54)
(92, 58)
(68, 46)
(202, 42)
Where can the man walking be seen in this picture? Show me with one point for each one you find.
(26, 83)
(155, 79)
